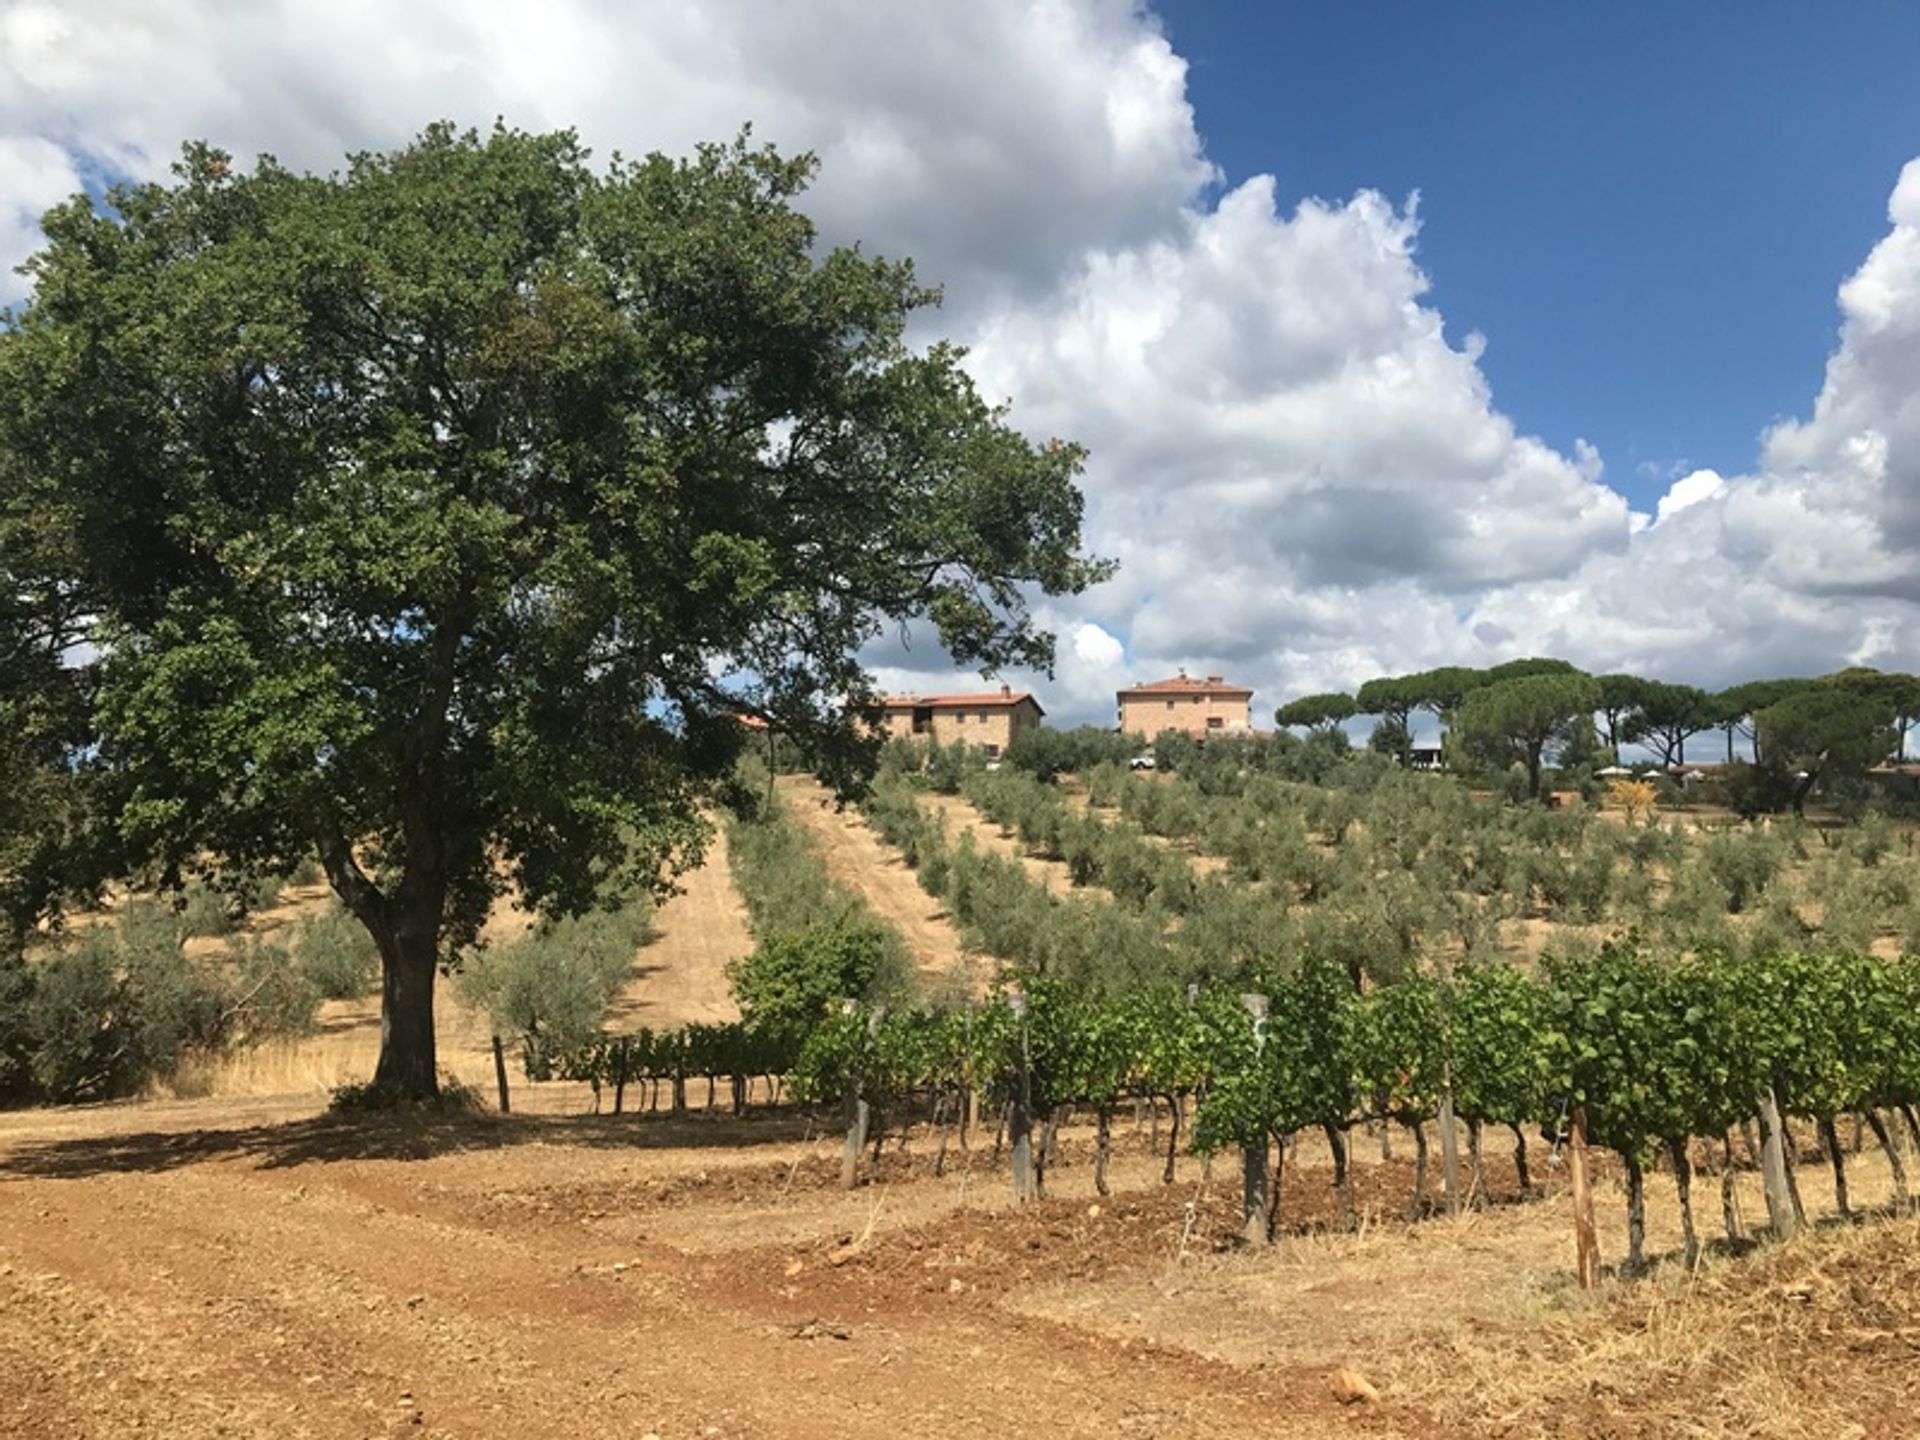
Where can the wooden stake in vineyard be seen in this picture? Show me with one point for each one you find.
(1776, 1175)
(1020, 1125)
(1255, 1225)
(1449, 1142)
(1586, 1240)
(856, 1110)
(500, 1075)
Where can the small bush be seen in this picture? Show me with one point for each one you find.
(795, 979)
(204, 911)
(552, 988)
(116, 1008)
(454, 1097)
(273, 994)
(336, 956)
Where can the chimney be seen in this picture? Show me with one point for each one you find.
(1216, 680)
(1006, 690)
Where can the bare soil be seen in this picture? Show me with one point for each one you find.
(244, 1268)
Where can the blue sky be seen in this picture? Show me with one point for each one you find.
(1643, 207)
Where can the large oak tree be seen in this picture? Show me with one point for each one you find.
(442, 516)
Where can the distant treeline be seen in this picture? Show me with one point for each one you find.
(1800, 733)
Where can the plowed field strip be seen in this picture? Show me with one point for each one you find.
(865, 865)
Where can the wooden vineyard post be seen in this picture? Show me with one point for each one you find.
(1775, 1178)
(1586, 1240)
(1444, 1120)
(500, 1076)
(1253, 1157)
(855, 1110)
(1020, 1126)
(1449, 1142)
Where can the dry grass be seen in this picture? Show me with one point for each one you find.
(1819, 1337)
(1477, 1322)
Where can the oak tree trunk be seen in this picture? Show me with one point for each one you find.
(1104, 1127)
(409, 956)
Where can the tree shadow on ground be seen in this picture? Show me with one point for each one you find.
(332, 1137)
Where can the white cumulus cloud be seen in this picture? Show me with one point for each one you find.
(1306, 479)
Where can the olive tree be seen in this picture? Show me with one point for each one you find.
(443, 516)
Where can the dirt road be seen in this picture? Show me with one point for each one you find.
(496, 1278)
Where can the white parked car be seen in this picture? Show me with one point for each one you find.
(1143, 762)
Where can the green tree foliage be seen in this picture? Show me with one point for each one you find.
(43, 703)
(1441, 692)
(337, 957)
(418, 507)
(120, 1004)
(1735, 707)
(795, 979)
(1045, 753)
(1619, 710)
(1317, 712)
(1515, 721)
(551, 989)
(1667, 716)
(1393, 701)
(1824, 733)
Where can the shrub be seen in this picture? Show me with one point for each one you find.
(335, 955)
(796, 978)
(117, 1007)
(81, 1045)
(552, 987)
(273, 994)
(204, 911)
(16, 1036)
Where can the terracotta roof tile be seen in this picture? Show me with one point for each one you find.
(1187, 685)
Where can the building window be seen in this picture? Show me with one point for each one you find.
(1214, 722)
(1169, 704)
(993, 752)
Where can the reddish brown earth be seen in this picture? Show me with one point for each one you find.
(228, 1268)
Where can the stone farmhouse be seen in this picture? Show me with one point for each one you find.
(989, 721)
(1198, 707)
